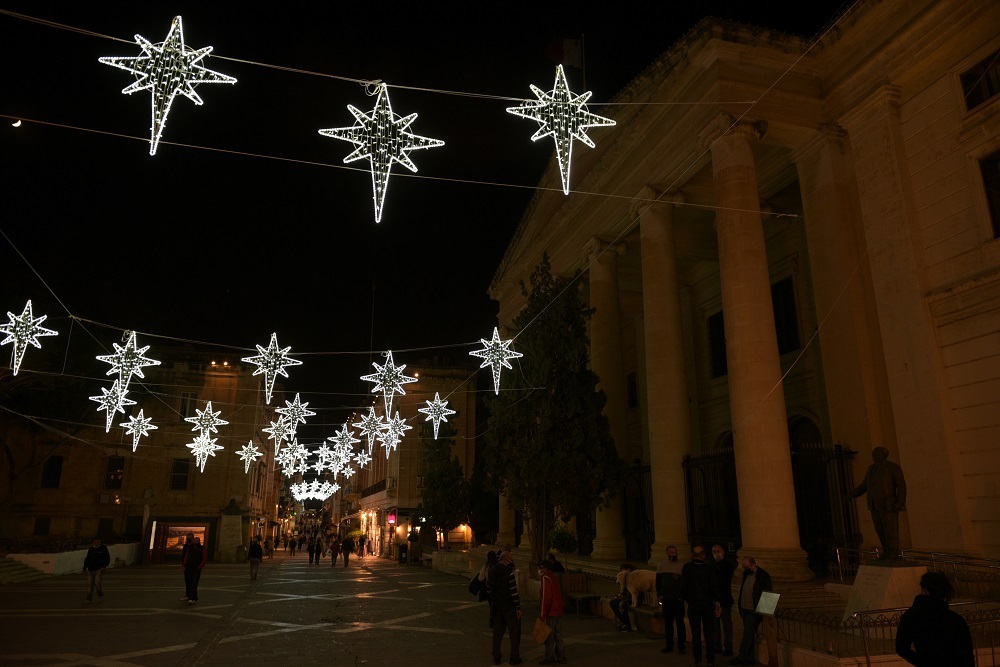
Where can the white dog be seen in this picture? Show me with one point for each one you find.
(636, 581)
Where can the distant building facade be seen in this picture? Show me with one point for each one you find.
(809, 267)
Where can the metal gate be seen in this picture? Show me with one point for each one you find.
(637, 514)
(713, 507)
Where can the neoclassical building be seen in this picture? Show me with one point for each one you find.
(792, 251)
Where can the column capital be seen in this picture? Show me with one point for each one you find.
(598, 246)
(827, 134)
(649, 197)
(882, 98)
(727, 125)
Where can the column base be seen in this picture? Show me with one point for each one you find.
(781, 564)
(658, 551)
(608, 549)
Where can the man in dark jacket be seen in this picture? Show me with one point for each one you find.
(501, 586)
(699, 586)
(347, 548)
(194, 562)
(931, 634)
(723, 628)
(668, 588)
(755, 581)
(97, 559)
(254, 555)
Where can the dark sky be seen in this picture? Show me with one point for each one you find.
(226, 248)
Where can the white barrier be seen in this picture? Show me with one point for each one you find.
(71, 562)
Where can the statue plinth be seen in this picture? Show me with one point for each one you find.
(884, 585)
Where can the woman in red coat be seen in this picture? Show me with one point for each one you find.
(551, 613)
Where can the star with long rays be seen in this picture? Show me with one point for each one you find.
(111, 401)
(295, 411)
(381, 137)
(495, 354)
(249, 454)
(436, 411)
(203, 447)
(24, 330)
(166, 70)
(371, 425)
(127, 361)
(388, 379)
(279, 431)
(271, 362)
(138, 427)
(206, 421)
(562, 116)
(394, 431)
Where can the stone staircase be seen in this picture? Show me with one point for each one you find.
(14, 572)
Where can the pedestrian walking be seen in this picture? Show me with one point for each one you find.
(94, 563)
(268, 549)
(931, 634)
(501, 586)
(347, 548)
(551, 613)
(188, 543)
(254, 555)
(194, 563)
(361, 547)
(334, 551)
(320, 548)
(311, 548)
(292, 543)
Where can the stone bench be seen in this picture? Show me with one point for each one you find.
(581, 597)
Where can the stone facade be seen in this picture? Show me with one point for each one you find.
(840, 180)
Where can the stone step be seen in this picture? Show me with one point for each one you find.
(14, 572)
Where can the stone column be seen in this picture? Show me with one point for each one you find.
(506, 530)
(768, 520)
(606, 361)
(927, 442)
(669, 425)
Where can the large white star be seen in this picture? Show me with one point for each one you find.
(280, 430)
(271, 362)
(138, 427)
(166, 70)
(127, 360)
(394, 431)
(206, 421)
(388, 379)
(371, 425)
(344, 441)
(23, 330)
(203, 447)
(436, 411)
(295, 412)
(111, 401)
(496, 354)
(381, 137)
(562, 116)
(249, 454)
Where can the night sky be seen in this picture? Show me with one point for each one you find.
(225, 247)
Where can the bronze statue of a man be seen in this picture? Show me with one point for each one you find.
(886, 491)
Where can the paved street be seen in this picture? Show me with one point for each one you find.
(375, 612)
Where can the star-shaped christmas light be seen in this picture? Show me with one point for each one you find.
(394, 431)
(371, 425)
(138, 427)
(496, 354)
(280, 430)
(127, 360)
(23, 330)
(295, 411)
(362, 458)
(344, 440)
(562, 116)
(166, 70)
(203, 447)
(388, 379)
(249, 454)
(271, 362)
(381, 137)
(436, 411)
(206, 421)
(111, 401)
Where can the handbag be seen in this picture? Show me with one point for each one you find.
(541, 631)
(475, 585)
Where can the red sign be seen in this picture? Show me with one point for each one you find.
(391, 519)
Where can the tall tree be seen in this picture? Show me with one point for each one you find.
(549, 444)
(445, 498)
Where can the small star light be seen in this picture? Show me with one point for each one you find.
(371, 425)
(562, 116)
(111, 401)
(362, 458)
(127, 360)
(388, 379)
(394, 431)
(22, 330)
(166, 70)
(295, 411)
(271, 362)
(280, 430)
(383, 138)
(249, 454)
(138, 427)
(496, 354)
(203, 447)
(436, 410)
(206, 421)
(344, 440)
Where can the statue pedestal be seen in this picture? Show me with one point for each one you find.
(884, 587)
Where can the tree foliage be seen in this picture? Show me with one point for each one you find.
(445, 499)
(548, 443)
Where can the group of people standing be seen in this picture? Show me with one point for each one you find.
(333, 545)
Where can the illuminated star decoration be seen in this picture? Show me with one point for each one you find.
(207, 421)
(381, 137)
(562, 116)
(166, 70)
(249, 454)
(280, 430)
(362, 458)
(22, 330)
(393, 433)
(436, 411)
(371, 425)
(138, 427)
(295, 412)
(388, 379)
(271, 362)
(203, 447)
(496, 354)
(111, 401)
(127, 361)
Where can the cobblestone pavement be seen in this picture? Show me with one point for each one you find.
(375, 612)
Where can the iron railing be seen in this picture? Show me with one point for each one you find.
(973, 577)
